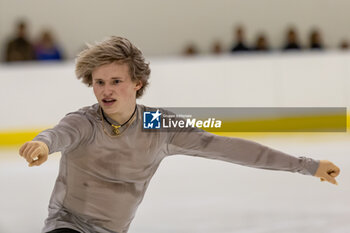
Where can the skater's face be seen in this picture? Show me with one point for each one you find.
(114, 89)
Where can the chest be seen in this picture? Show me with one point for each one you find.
(127, 157)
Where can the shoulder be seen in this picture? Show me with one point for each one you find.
(83, 116)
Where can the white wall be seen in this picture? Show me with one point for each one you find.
(163, 27)
(37, 95)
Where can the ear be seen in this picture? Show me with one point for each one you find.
(138, 85)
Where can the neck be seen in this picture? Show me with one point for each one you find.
(124, 116)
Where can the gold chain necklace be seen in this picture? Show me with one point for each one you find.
(116, 131)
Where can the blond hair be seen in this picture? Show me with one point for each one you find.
(113, 49)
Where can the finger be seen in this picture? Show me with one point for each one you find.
(35, 163)
(335, 171)
(27, 149)
(23, 147)
(33, 148)
(330, 179)
(35, 154)
(38, 162)
(32, 155)
(29, 159)
(322, 179)
(333, 174)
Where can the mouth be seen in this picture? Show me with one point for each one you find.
(108, 101)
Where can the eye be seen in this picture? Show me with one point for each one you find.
(99, 82)
(116, 81)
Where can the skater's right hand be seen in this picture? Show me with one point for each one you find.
(35, 152)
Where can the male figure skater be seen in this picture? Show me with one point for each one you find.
(107, 158)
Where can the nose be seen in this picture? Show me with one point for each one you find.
(107, 89)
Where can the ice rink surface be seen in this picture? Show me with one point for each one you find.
(195, 195)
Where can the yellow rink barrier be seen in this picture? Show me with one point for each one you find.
(16, 137)
(286, 125)
(325, 123)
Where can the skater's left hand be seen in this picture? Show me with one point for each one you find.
(327, 171)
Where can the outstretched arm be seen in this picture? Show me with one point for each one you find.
(247, 153)
(70, 132)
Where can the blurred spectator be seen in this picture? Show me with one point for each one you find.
(261, 43)
(240, 45)
(216, 47)
(190, 50)
(292, 40)
(46, 48)
(19, 48)
(315, 40)
(344, 45)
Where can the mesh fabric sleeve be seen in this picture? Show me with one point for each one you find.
(70, 132)
(196, 142)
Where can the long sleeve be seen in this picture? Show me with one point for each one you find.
(71, 131)
(239, 151)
